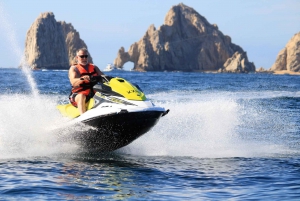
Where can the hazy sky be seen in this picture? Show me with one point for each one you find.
(261, 27)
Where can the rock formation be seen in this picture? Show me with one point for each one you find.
(262, 70)
(185, 42)
(288, 58)
(73, 41)
(51, 44)
(238, 63)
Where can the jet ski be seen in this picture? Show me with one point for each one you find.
(116, 115)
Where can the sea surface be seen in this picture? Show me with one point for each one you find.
(226, 137)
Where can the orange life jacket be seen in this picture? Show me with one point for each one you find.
(84, 87)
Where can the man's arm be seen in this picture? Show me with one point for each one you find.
(98, 71)
(73, 76)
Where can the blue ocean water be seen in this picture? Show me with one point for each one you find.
(227, 137)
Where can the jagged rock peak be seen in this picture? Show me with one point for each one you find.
(177, 14)
(289, 57)
(73, 41)
(186, 42)
(51, 44)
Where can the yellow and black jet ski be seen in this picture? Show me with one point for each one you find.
(118, 113)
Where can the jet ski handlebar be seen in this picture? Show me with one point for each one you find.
(102, 78)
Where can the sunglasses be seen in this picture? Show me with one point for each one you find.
(83, 56)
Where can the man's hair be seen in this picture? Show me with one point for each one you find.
(83, 50)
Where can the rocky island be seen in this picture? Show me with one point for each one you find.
(51, 44)
(288, 59)
(185, 42)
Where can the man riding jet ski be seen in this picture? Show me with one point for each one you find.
(79, 74)
(118, 113)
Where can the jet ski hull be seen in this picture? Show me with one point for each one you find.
(113, 131)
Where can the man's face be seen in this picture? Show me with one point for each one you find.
(82, 58)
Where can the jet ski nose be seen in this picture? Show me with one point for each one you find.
(165, 113)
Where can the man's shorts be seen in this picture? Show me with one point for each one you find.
(73, 96)
(72, 99)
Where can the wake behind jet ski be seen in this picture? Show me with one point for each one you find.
(118, 113)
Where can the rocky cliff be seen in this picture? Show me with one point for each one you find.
(185, 42)
(51, 44)
(73, 41)
(288, 58)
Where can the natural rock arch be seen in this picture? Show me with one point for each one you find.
(186, 42)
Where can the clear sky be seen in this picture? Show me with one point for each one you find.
(261, 27)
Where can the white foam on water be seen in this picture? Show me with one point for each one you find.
(195, 127)
(27, 121)
(203, 126)
(28, 127)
